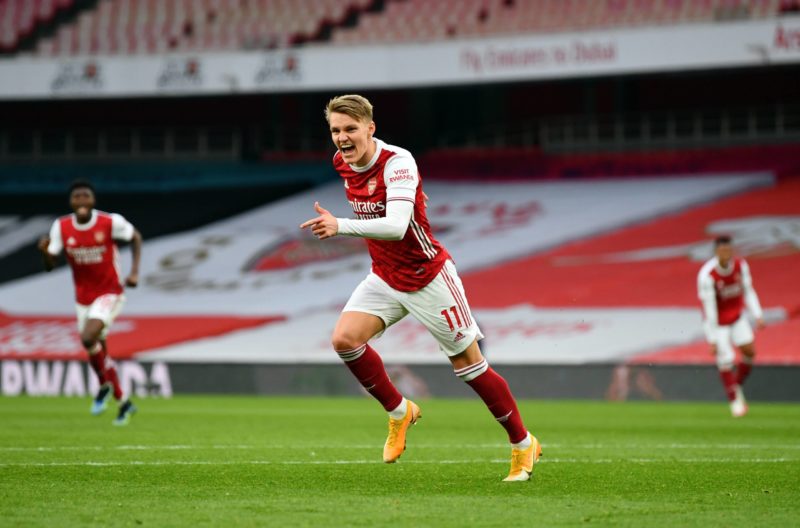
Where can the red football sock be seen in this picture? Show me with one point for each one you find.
(367, 366)
(98, 361)
(743, 369)
(729, 383)
(106, 372)
(494, 392)
(113, 379)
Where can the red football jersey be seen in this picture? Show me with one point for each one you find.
(91, 252)
(408, 264)
(729, 288)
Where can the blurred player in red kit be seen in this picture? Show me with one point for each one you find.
(412, 273)
(88, 238)
(725, 288)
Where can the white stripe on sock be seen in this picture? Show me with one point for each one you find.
(352, 355)
(472, 371)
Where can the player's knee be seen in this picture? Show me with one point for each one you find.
(343, 341)
(726, 357)
(89, 342)
(725, 363)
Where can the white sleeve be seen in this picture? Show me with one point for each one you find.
(401, 178)
(392, 227)
(707, 295)
(56, 245)
(121, 229)
(750, 296)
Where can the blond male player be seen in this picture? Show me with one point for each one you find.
(412, 273)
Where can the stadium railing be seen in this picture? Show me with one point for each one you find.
(775, 124)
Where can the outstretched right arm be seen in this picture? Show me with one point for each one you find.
(50, 246)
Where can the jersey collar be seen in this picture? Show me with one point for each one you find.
(720, 269)
(368, 166)
(88, 225)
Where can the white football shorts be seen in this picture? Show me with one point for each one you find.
(106, 308)
(739, 333)
(441, 306)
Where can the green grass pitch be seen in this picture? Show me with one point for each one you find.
(250, 461)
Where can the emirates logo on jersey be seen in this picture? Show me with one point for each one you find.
(99, 237)
(731, 290)
(372, 184)
(87, 255)
(71, 241)
(367, 210)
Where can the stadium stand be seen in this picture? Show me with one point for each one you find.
(416, 20)
(157, 26)
(19, 18)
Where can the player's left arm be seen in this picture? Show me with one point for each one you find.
(121, 229)
(750, 296)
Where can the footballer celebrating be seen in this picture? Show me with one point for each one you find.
(88, 239)
(725, 287)
(412, 273)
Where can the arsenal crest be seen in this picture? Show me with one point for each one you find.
(99, 237)
(372, 184)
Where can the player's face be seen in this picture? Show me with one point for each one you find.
(82, 202)
(724, 253)
(353, 138)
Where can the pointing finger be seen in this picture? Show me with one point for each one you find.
(310, 222)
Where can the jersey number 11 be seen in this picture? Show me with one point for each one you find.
(457, 317)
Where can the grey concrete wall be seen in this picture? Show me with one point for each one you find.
(700, 383)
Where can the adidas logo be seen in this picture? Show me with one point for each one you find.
(459, 337)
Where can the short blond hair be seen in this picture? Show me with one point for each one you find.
(356, 106)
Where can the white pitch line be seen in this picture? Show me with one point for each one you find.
(378, 462)
(672, 446)
(178, 447)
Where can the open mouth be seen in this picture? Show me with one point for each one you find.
(347, 149)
